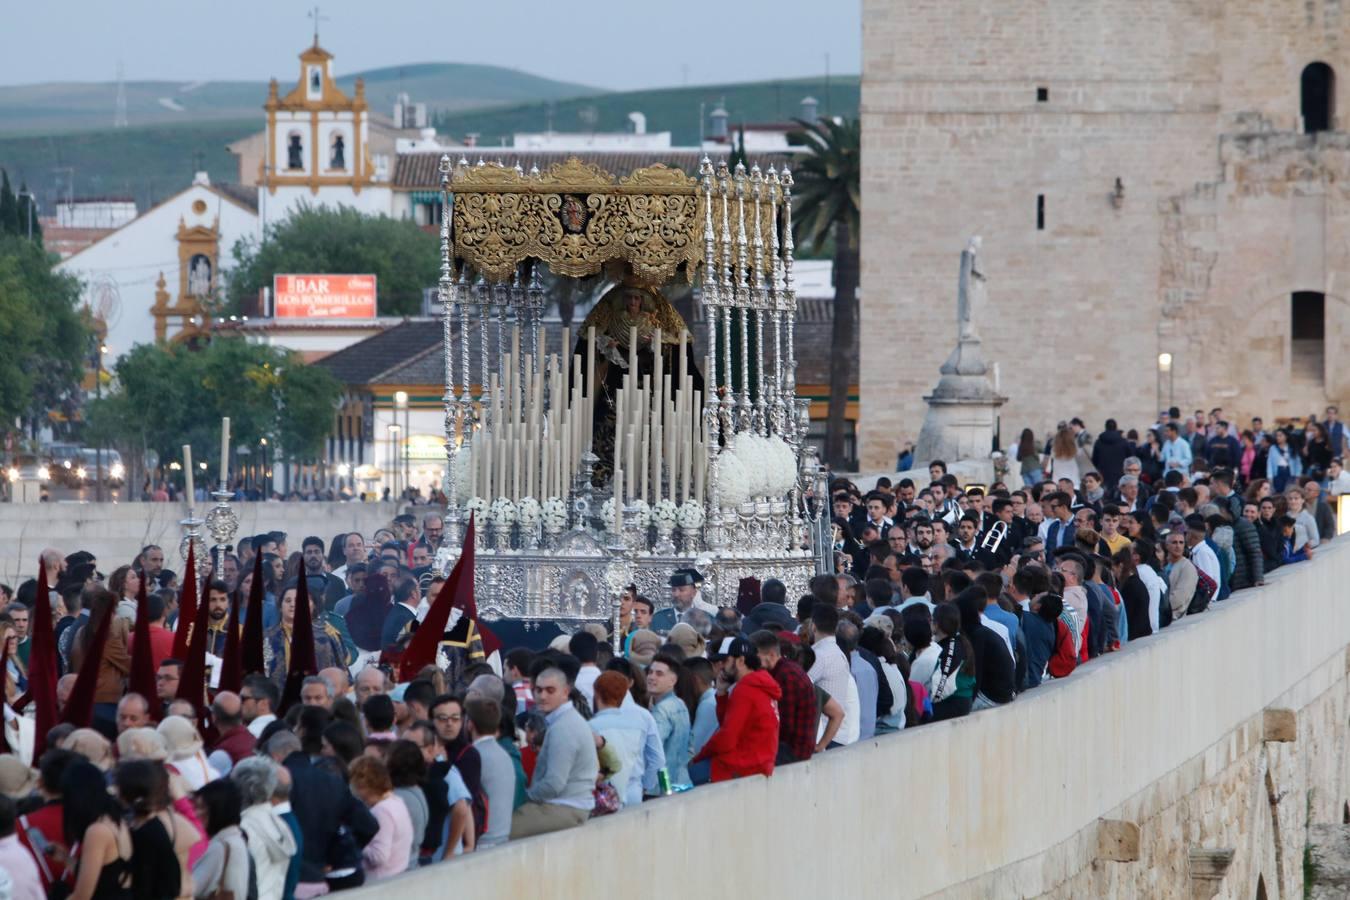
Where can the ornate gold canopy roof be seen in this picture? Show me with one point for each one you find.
(575, 218)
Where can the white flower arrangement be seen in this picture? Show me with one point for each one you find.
(665, 514)
(644, 512)
(503, 512)
(755, 466)
(478, 506)
(607, 514)
(733, 482)
(529, 512)
(554, 515)
(691, 515)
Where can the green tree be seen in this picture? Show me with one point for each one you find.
(321, 241)
(9, 206)
(826, 203)
(165, 396)
(43, 337)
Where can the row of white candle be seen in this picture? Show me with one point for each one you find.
(658, 435)
(532, 447)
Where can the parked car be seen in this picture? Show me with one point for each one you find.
(114, 473)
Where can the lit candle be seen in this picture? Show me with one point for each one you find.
(487, 464)
(642, 491)
(618, 500)
(187, 470)
(225, 452)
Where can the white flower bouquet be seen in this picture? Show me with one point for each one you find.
(529, 512)
(607, 514)
(691, 515)
(503, 513)
(554, 515)
(644, 512)
(478, 506)
(665, 514)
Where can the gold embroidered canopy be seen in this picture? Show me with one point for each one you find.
(575, 218)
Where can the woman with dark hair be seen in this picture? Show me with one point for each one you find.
(952, 684)
(342, 741)
(160, 838)
(124, 583)
(407, 768)
(92, 818)
(1317, 452)
(1028, 458)
(225, 865)
(295, 565)
(1133, 594)
(115, 662)
(337, 556)
(995, 679)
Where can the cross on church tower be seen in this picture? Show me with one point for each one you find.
(314, 14)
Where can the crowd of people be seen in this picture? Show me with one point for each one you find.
(335, 755)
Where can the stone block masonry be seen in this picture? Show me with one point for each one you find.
(973, 110)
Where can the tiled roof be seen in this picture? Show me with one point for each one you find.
(368, 360)
(421, 171)
(240, 193)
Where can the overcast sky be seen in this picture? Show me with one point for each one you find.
(612, 44)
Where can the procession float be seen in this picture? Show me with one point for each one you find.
(610, 456)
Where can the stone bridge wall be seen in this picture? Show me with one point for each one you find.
(116, 532)
(1190, 764)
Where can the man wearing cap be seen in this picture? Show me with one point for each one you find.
(684, 595)
(746, 739)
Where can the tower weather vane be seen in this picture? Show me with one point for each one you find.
(314, 14)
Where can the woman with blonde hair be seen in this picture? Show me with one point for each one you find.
(1062, 460)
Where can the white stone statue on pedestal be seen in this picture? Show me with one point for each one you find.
(963, 408)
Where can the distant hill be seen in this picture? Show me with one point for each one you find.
(668, 109)
(41, 109)
(151, 163)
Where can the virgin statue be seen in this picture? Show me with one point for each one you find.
(624, 311)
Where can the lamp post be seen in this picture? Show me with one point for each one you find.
(264, 476)
(401, 402)
(1165, 368)
(32, 210)
(392, 433)
(100, 349)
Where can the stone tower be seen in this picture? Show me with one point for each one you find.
(1150, 177)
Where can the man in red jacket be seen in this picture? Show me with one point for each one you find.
(746, 739)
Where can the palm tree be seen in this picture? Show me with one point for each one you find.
(827, 204)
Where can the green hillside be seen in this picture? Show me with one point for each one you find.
(41, 109)
(149, 164)
(669, 109)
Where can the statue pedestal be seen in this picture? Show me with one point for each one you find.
(962, 412)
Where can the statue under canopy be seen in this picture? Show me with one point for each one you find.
(626, 309)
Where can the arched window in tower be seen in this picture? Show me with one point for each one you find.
(295, 151)
(337, 156)
(1318, 97)
(1307, 337)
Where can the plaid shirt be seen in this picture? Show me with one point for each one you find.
(798, 714)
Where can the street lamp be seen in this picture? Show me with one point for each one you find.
(401, 402)
(393, 431)
(32, 210)
(1165, 368)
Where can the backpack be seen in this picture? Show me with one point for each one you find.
(1205, 589)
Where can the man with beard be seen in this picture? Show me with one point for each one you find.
(311, 551)
(218, 613)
